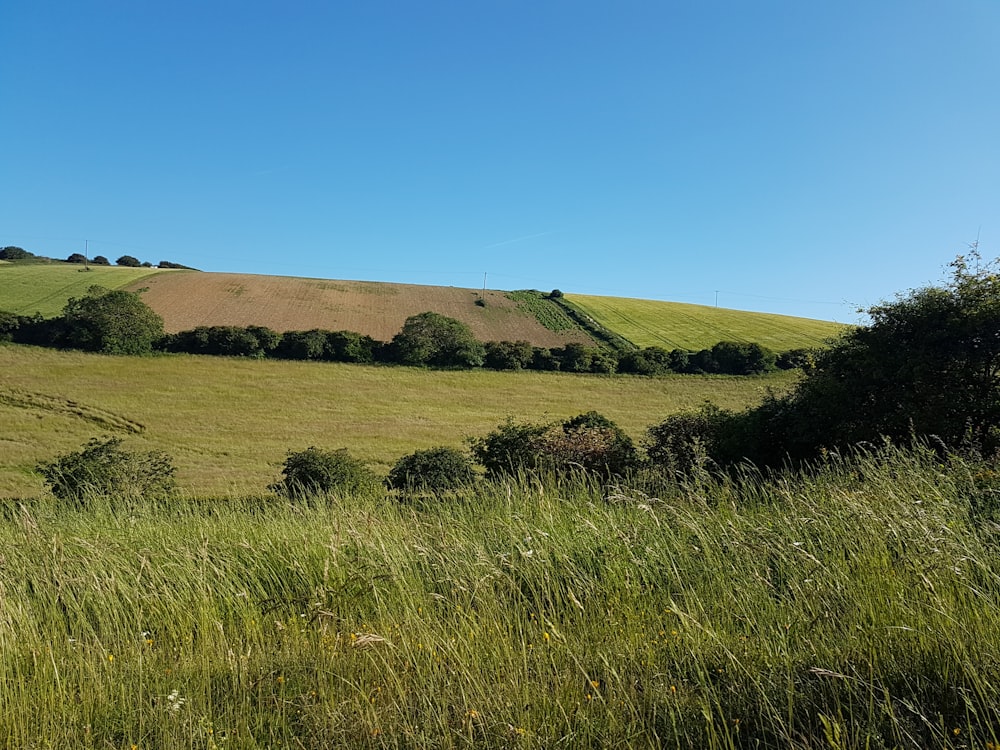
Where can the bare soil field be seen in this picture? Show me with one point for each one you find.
(282, 303)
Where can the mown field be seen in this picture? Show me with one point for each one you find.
(29, 288)
(228, 423)
(853, 608)
(675, 325)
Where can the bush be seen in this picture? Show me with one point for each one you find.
(100, 260)
(103, 467)
(684, 441)
(510, 449)
(433, 470)
(128, 260)
(318, 472)
(508, 355)
(77, 258)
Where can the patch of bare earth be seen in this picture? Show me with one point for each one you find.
(282, 303)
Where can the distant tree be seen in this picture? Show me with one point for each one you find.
(100, 260)
(77, 258)
(302, 345)
(741, 358)
(348, 346)
(11, 252)
(112, 322)
(575, 357)
(556, 293)
(128, 260)
(437, 340)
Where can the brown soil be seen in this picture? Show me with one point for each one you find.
(187, 300)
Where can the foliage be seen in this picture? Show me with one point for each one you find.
(128, 260)
(100, 260)
(544, 309)
(742, 358)
(169, 264)
(803, 359)
(227, 341)
(508, 355)
(511, 449)
(432, 470)
(589, 442)
(111, 322)
(319, 472)
(77, 258)
(103, 467)
(437, 340)
(684, 441)
(12, 252)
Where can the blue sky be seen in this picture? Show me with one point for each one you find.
(804, 157)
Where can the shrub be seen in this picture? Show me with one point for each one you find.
(508, 355)
(433, 470)
(589, 442)
(318, 472)
(100, 260)
(128, 260)
(77, 258)
(103, 467)
(684, 441)
(740, 358)
(510, 449)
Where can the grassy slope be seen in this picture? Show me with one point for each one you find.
(228, 423)
(827, 611)
(27, 288)
(674, 325)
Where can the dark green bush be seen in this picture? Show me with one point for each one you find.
(685, 441)
(318, 472)
(104, 468)
(128, 260)
(112, 322)
(12, 252)
(432, 470)
(511, 449)
(508, 355)
(437, 340)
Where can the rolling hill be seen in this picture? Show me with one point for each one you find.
(187, 299)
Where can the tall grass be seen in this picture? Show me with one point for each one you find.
(852, 607)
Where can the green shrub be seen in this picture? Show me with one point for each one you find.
(318, 472)
(432, 470)
(511, 449)
(103, 467)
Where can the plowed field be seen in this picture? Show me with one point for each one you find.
(188, 300)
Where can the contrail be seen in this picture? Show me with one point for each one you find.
(518, 239)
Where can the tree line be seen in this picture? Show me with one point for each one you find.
(119, 322)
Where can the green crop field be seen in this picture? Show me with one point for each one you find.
(228, 423)
(27, 288)
(675, 325)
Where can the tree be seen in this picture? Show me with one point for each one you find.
(508, 355)
(926, 366)
(77, 258)
(100, 260)
(128, 260)
(12, 252)
(437, 340)
(112, 322)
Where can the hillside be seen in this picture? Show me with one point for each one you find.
(187, 299)
(283, 303)
(29, 288)
(675, 325)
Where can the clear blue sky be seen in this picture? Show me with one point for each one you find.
(804, 157)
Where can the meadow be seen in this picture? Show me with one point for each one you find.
(853, 607)
(676, 325)
(228, 423)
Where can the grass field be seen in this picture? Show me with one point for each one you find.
(27, 288)
(853, 609)
(674, 325)
(228, 423)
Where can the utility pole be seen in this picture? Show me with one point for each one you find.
(484, 286)
(716, 297)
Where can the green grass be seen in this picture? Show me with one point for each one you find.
(27, 288)
(831, 611)
(228, 423)
(674, 325)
